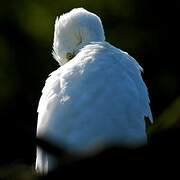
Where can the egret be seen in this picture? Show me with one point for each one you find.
(96, 97)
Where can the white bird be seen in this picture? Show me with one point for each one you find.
(96, 98)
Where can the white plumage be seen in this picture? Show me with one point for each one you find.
(95, 99)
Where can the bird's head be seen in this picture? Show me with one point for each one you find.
(73, 31)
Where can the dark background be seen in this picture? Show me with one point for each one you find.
(146, 29)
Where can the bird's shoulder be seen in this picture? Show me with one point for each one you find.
(102, 54)
(94, 62)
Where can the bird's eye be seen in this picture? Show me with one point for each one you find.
(69, 56)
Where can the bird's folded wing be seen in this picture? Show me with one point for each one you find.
(100, 93)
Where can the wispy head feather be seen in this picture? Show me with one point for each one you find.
(74, 30)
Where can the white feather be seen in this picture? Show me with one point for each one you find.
(97, 98)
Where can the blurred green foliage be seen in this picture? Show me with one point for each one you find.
(168, 119)
(18, 172)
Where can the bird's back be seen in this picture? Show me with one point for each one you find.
(97, 98)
